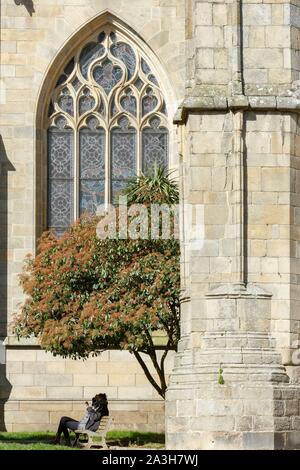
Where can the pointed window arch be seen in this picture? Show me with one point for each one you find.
(107, 121)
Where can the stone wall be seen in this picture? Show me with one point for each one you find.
(235, 383)
(42, 388)
(29, 46)
(34, 45)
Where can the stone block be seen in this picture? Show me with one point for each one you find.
(244, 423)
(90, 380)
(291, 407)
(263, 423)
(111, 392)
(257, 14)
(65, 393)
(212, 423)
(30, 417)
(54, 380)
(275, 179)
(20, 355)
(258, 440)
(80, 367)
(21, 379)
(203, 14)
(201, 179)
(282, 423)
(293, 440)
(30, 393)
(134, 393)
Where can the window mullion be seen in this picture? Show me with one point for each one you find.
(76, 176)
(107, 168)
(139, 167)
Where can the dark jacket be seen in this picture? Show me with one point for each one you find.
(95, 415)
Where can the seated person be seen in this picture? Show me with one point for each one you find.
(90, 421)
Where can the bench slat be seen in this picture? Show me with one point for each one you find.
(100, 433)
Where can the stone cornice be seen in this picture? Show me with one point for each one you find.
(232, 291)
(289, 104)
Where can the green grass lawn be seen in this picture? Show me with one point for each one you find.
(40, 440)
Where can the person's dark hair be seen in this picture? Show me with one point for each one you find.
(98, 400)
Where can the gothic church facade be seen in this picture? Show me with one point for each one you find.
(94, 91)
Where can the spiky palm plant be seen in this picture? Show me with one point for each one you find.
(156, 188)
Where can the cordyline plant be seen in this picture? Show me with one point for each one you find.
(86, 295)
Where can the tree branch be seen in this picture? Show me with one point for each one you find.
(148, 374)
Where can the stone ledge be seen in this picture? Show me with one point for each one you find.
(231, 291)
(12, 341)
(242, 102)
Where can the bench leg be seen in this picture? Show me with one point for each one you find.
(89, 442)
(75, 442)
(103, 443)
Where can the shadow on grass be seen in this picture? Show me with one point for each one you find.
(134, 438)
(37, 441)
(26, 437)
(29, 441)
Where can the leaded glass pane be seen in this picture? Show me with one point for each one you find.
(92, 166)
(88, 54)
(108, 75)
(128, 102)
(69, 67)
(155, 146)
(123, 155)
(50, 109)
(117, 187)
(123, 147)
(113, 37)
(114, 109)
(145, 67)
(152, 79)
(61, 122)
(139, 83)
(86, 102)
(91, 195)
(61, 80)
(149, 102)
(101, 109)
(60, 182)
(60, 215)
(164, 109)
(76, 84)
(125, 53)
(92, 145)
(60, 153)
(101, 36)
(65, 102)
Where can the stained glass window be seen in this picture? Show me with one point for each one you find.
(149, 102)
(123, 155)
(155, 146)
(65, 102)
(92, 167)
(86, 101)
(60, 177)
(128, 102)
(108, 100)
(125, 53)
(107, 75)
(88, 55)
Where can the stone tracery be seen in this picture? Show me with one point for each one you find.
(109, 99)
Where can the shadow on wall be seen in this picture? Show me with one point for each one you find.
(28, 4)
(5, 386)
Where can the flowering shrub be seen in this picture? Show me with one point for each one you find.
(86, 295)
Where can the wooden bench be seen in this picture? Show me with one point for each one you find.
(101, 432)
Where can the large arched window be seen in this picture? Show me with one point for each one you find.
(107, 121)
